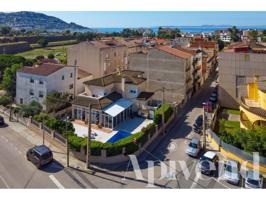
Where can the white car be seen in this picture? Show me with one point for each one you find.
(231, 172)
(253, 180)
(193, 148)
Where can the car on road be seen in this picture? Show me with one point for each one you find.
(40, 155)
(208, 163)
(194, 147)
(253, 180)
(2, 121)
(198, 122)
(213, 98)
(231, 172)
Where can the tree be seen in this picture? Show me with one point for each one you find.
(32, 109)
(5, 30)
(42, 42)
(9, 60)
(253, 34)
(5, 100)
(220, 45)
(50, 56)
(9, 79)
(85, 36)
(234, 33)
(56, 101)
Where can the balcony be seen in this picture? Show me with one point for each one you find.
(253, 107)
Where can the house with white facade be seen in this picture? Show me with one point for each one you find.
(113, 98)
(225, 37)
(34, 83)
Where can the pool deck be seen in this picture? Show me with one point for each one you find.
(131, 126)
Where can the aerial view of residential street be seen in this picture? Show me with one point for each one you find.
(155, 100)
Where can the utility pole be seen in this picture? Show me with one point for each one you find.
(67, 143)
(163, 117)
(43, 136)
(204, 130)
(89, 139)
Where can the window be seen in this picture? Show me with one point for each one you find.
(71, 75)
(114, 54)
(31, 92)
(71, 86)
(31, 80)
(40, 82)
(133, 91)
(21, 101)
(63, 77)
(41, 94)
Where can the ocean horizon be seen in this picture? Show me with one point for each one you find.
(188, 29)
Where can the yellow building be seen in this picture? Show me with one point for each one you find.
(253, 107)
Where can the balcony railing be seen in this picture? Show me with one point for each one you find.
(253, 107)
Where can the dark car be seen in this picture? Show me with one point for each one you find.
(40, 155)
(198, 122)
(2, 121)
(208, 163)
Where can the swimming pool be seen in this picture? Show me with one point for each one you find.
(118, 136)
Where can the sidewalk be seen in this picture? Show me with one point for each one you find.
(34, 136)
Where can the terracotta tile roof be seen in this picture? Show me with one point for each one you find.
(44, 69)
(174, 51)
(193, 52)
(97, 103)
(203, 44)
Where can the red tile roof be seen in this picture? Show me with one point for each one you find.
(203, 44)
(44, 69)
(176, 52)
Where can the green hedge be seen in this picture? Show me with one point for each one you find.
(5, 100)
(116, 148)
(168, 111)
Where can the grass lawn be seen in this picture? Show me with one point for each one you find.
(58, 51)
(231, 111)
(59, 43)
(229, 126)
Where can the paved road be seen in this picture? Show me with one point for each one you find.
(17, 172)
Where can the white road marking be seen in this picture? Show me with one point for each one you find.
(4, 181)
(56, 182)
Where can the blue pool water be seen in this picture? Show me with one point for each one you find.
(118, 136)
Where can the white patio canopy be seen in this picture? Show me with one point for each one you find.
(117, 107)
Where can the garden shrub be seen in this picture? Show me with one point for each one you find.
(168, 111)
(5, 100)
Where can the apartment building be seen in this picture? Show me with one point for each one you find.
(225, 37)
(236, 70)
(34, 83)
(113, 98)
(166, 67)
(98, 57)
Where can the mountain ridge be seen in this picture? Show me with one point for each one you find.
(34, 20)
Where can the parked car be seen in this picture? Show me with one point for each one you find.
(198, 122)
(197, 130)
(2, 121)
(253, 180)
(213, 99)
(40, 155)
(194, 147)
(208, 163)
(231, 172)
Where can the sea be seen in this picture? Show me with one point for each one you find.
(187, 29)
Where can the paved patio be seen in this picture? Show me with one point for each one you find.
(131, 126)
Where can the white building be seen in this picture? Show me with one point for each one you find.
(225, 37)
(114, 98)
(34, 83)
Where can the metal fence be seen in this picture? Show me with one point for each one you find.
(59, 137)
(240, 153)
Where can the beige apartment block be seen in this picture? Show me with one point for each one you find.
(236, 70)
(98, 57)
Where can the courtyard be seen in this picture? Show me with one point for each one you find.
(104, 135)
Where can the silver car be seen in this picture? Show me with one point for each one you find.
(253, 180)
(193, 148)
(231, 172)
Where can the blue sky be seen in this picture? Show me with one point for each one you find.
(147, 19)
